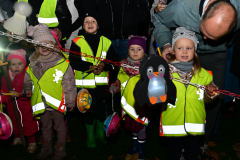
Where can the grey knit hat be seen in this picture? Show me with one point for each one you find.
(41, 33)
(182, 32)
(17, 24)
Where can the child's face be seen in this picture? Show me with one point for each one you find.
(16, 65)
(44, 51)
(136, 52)
(184, 49)
(90, 25)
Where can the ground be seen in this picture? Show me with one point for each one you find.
(120, 143)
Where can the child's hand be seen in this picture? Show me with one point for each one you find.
(15, 95)
(113, 89)
(70, 109)
(29, 93)
(211, 89)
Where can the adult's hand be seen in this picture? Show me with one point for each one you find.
(59, 33)
(3, 21)
(167, 51)
(160, 6)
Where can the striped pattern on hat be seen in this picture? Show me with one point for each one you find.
(18, 54)
(41, 33)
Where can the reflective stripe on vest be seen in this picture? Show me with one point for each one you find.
(38, 107)
(127, 98)
(130, 110)
(90, 80)
(47, 13)
(188, 114)
(180, 129)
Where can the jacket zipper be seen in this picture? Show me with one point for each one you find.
(122, 18)
(112, 17)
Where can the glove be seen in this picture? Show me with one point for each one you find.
(113, 89)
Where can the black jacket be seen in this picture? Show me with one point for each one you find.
(62, 12)
(100, 92)
(133, 13)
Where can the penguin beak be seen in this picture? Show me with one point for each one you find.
(156, 73)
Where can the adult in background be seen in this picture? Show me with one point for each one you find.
(119, 19)
(213, 21)
(157, 6)
(54, 13)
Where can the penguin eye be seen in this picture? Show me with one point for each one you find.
(161, 69)
(149, 70)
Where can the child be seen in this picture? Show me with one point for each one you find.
(16, 72)
(133, 122)
(183, 122)
(92, 43)
(49, 81)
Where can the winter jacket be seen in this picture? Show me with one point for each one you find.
(62, 12)
(188, 114)
(235, 65)
(185, 13)
(29, 125)
(99, 93)
(132, 12)
(40, 65)
(7, 6)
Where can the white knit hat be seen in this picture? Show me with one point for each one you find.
(17, 23)
(182, 32)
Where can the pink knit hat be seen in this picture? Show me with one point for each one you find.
(18, 54)
(54, 33)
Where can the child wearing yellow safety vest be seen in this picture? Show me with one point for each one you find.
(91, 42)
(135, 118)
(184, 122)
(49, 81)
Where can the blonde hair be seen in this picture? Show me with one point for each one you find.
(196, 67)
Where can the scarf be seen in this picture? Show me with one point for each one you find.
(183, 66)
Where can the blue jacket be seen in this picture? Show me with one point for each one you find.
(185, 13)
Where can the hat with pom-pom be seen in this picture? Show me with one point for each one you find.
(17, 24)
(41, 33)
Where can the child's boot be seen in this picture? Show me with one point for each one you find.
(32, 147)
(141, 149)
(91, 142)
(59, 152)
(133, 154)
(100, 134)
(46, 150)
(17, 141)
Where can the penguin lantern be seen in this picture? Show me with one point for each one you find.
(154, 87)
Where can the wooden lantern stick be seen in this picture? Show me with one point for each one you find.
(5, 71)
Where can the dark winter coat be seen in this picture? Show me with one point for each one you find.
(132, 12)
(99, 93)
(62, 12)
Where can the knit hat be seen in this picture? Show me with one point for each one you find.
(17, 23)
(182, 32)
(18, 54)
(137, 40)
(93, 14)
(54, 33)
(41, 33)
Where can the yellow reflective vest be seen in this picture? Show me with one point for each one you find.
(47, 13)
(90, 80)
(49, 86)
(188, 114)
(127, 99)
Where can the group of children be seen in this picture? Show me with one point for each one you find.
(53, 78)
